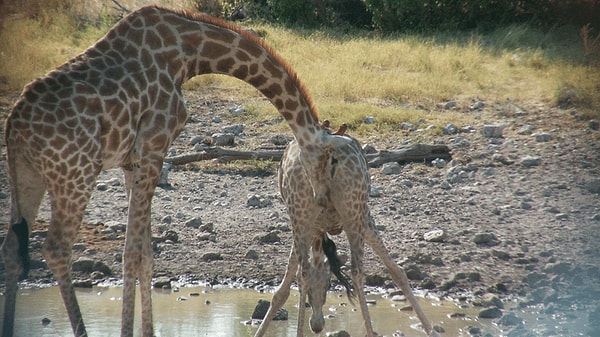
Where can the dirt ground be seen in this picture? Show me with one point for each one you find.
(520, 213)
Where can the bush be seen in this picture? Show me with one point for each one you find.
(427, 15)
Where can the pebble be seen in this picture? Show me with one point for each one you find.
(223, 139)
(594, 124)
(525, 130)
(391, 168)
(542, 137)
(270, 237)
(435, 236)
(450, 129)
(211, 256)
(530, 161)
(492, 131)
(484, 238)
(490, 313)
(235, 129)
(438, 162)
(369, 120)
(261, 308)
(449, 105)
(194, 222)
(237, 110)
(257, 201)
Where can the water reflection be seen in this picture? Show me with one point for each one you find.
(200, 311)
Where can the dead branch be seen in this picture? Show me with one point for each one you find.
(405, 153)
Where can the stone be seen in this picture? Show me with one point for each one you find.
(252, 255)
(558, 268)
(162, 283)
(510, 319)
(530, 161)
(270, 237)
(194, 222)
(211, 256)
(542, 137)
(391, 168)
(237, 111)
(369, 120)
(257, 201)
(260, 311)
(492, 131)
(484, 238)
(280, 140)
(340, 333)
(449, 105)
(83, 264)
(223, 139)
(235, 129)
(594, 124)
(593, 186)
(408, 126)
(435, 236)
(490, 313)
(374, 280)
(413, 272)
(163, 179)
(438, 162)
(450, 129)
(525, 130)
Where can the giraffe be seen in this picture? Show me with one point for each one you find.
(120, 104)
(346, 174)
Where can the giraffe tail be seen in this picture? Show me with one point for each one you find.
(335, 266)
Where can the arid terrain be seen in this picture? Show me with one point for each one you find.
(519, 212)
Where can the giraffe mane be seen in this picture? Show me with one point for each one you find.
(206, 18)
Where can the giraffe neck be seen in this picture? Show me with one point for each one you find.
(190, 44)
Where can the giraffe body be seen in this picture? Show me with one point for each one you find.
(346, 175)
(119, 104)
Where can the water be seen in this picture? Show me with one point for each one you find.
(225, 312)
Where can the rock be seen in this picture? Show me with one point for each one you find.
(413, 272)
(510, 319)
(212, 256)
(83, 283)
(450, 129)
(542, 137)
(438, 162)
(260, 311)
(449, 105)
(561, 216)
(223, 139)
(235, 129)
(194, 222)
(162, 283)
(435, 236)
(369, 120)
(374, 192)
(280, 140)
(502, 255)
(375, 280)
(339, 333)
(530, 161)
(558, 268)
(490, 313)
(525, 130)
(594, 124)
(83, 264)
(271, 237)
(593, 186)
(477, 105)
(258, 201)
(533, 278)
(237, 111)
(489, 300)
(485, 239)
(492, 131)
(408, 126)
(391, 168)
(252, 255)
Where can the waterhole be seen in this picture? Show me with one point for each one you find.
(209, 311)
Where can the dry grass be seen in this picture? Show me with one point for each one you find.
(351, 76)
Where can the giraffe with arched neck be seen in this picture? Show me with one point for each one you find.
(119, 104)
(346, 175)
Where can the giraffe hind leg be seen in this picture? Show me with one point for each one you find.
(398, 276)
(27, 191)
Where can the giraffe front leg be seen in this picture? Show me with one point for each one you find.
(57, 252)
(357, 254)
(281, 294)
(138, 259)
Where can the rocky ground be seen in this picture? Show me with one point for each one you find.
(514, 216)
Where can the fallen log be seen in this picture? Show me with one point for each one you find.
(404, 153)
